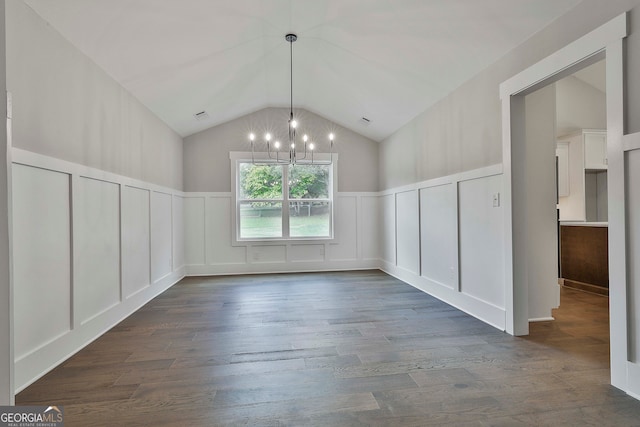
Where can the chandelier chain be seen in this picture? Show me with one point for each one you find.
(273, 155)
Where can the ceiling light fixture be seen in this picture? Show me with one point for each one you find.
(273, 148)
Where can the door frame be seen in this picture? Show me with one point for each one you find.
(605, 41)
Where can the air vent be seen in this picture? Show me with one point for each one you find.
(365, 121)
(202, 115)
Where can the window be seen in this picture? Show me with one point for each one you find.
(284, 201)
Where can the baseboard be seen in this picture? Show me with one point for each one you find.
(282, 267)
(482, 310)
(541, 319)
(32, 366)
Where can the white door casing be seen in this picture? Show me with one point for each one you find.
(629, 172)
(604, 41)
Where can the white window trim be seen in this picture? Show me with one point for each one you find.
(237, 157)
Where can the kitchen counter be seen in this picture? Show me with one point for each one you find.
(583, 224)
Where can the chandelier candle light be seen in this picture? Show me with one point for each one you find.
(275, 146)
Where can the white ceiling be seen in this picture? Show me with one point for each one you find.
(386, 60)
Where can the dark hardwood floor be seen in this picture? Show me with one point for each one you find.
(336, 349)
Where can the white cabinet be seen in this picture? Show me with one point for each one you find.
(578, 155)
(562, 156)
(595, 150)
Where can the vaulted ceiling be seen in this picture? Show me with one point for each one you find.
(386, 60)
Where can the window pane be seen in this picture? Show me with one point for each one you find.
(260, 181)
(260, 219)
(309, 181)
(309, 219)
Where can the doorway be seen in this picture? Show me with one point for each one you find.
(606, 40)
(563, 121)
(582, 172)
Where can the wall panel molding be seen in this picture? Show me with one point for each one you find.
(92, 231)
(355, 246)
(454, 224)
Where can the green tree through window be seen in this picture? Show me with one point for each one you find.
(282, 201)
(260, 181)
(308, 182)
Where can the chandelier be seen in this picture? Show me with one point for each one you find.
(295, 151)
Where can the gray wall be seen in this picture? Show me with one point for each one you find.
(463, 130)
(65, 106)
(206, 154)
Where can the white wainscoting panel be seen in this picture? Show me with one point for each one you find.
(346, 228)
(481, 251)
(97, 247)
(218, 221)
(439, 234)
(267, 254)
(408, 231)
(42, 257)
(194, 230)
(161, 235)
(449, 243)
(306, 253)
(136, 254)
(388, 203)
(356, 236)
(632, 179)
(177, 229)
(82, 255)
(370, 226)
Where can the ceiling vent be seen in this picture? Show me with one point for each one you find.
(365, 121)
(201, 116)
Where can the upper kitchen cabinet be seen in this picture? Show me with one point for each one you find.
(582, 171)
(595, 149)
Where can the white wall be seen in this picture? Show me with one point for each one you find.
(407, 231)
(439, 234)
(209, 249)
(388, 227)
(480, 225)
(633, 255)
(90, 248)
(448, 236)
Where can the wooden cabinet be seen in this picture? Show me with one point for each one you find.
(584, 257)
(595, 150)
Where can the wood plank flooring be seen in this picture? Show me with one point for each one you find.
(335, 349)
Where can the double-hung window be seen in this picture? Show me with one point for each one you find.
(284, 201)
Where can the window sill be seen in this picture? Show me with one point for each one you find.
(283, 241)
